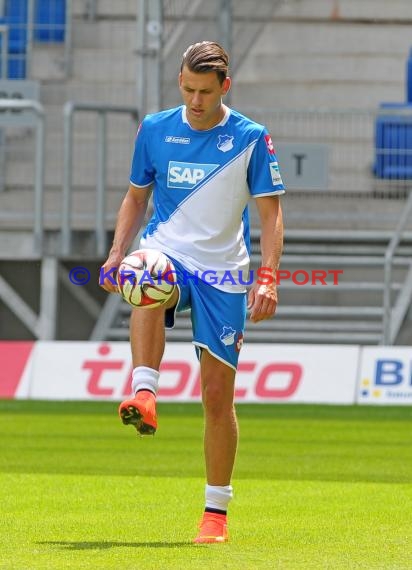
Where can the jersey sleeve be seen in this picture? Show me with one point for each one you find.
(142, 171)
(263, 175)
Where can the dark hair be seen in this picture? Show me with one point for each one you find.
(204, 57)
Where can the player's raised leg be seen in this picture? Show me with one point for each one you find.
(220, 444)
(147, 338)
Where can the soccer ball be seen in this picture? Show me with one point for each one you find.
(146, 278)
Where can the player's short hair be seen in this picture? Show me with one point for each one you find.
(204, 57)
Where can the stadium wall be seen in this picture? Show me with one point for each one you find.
(267, 373)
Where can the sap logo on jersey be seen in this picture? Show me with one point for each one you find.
(187, 174)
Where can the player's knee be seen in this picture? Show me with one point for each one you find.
(149, 316)
(217, 397)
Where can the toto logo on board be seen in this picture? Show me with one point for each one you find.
(181, 378)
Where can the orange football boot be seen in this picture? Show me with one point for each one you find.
(213, 528)
(140, 412)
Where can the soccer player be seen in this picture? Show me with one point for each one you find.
(202, 162)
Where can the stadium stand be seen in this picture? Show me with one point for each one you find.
(313, 76)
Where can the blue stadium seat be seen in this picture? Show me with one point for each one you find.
(409, 78)
(49, 20)
(16, 67)
(393, 143)
(15, 16)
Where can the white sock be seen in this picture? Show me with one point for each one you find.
(218, 497)
(145, 378)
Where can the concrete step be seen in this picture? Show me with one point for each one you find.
(400, 10)
(327, 63)
(105, 34)
(325, 211)
(332, 38)
(18, 244)
(324, 65)
(17, 205)
(48, 62)
(74, 89)
(280, 329)
(99, 65)
(375, 10)
(315, 94)
(121, 9)
(120, 126)
(20, 147)
(349, 166)
(329, 211)
(19, 171)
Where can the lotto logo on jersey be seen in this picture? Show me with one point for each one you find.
(187, 175)
(269, 144)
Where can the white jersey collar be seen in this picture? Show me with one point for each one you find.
(222, 123)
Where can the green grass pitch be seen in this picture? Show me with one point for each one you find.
(322, 487)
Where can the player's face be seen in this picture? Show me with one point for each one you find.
(202, 94)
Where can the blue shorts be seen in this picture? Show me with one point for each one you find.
(218, 318)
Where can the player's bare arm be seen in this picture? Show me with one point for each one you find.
(129, 220)
(263, 299)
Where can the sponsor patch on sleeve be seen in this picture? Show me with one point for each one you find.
(275, 173)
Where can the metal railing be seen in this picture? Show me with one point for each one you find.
(354, 155)
(91, 10)
(38, 110)
(4, 33)
(393, 315)
(68, 39)
(102, 111)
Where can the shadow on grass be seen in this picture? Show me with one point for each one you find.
(104, 545)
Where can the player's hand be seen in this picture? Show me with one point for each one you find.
(262, 302)
(107, 275)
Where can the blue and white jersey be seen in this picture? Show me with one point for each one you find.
(202, 182)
